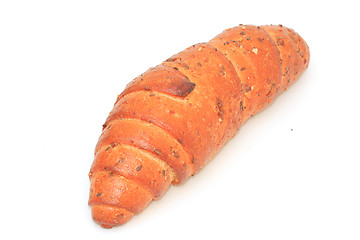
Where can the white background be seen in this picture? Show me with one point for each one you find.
(62, 64)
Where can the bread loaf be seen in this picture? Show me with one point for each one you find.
(171, 120)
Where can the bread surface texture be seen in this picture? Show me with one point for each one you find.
(170, 121)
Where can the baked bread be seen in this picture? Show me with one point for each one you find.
(171, 120)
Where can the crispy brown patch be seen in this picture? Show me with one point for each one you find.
(219, 106)
(162, 79)
(182, 89)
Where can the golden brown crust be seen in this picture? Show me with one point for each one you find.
(171, 120)
(110, 216)
(293, 53)
(161, 79)
(215, 101)
(109, 188)
(257, 62)
(151, 138)
(135, 165)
